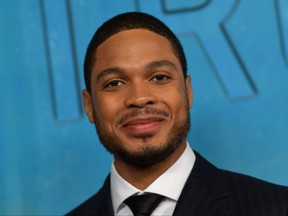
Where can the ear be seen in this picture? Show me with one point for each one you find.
(88, 105)
(189, 91)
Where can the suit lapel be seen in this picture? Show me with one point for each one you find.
(205, 192)
(103, 200)
(106, 208)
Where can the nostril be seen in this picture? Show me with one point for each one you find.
(140, 102)
(150, 102)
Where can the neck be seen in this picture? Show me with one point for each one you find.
(142, 176)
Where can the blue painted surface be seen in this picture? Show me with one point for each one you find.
(170, 6)
(281, 7)
(50, 157)
(228, 66)
(60, 55)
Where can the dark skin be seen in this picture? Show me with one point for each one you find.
(136, 69)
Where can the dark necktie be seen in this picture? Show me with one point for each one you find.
(143, 205)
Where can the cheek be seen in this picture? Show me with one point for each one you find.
(176, 98)
(106, 110)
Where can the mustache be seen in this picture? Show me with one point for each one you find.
(141, 112)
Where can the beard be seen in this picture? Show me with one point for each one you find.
(152, 152)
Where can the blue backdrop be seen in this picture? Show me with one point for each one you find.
(50, 156)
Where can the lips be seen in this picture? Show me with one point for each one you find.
(142, 126)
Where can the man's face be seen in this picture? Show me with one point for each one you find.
(139, 98)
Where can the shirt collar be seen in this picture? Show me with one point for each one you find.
(169, 184)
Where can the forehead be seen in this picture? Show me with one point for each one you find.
(133, 47)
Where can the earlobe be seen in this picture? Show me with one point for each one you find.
(88, 105)
(189, 91)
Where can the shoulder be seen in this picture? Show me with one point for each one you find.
(237, 182)
(246, 195)
(244, 184)
(99, 204)
(254, 195)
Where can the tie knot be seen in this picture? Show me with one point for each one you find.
(143, 205)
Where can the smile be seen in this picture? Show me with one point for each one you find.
(138, 127)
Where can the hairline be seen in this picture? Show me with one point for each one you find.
(152, 24)
(173, 48)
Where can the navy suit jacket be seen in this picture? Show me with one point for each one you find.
(209, 191)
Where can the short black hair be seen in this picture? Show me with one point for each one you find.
(129, 21)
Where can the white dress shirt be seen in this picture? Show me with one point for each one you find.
(169, 184)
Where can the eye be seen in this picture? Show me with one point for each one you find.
(114, 83)
(159, 78)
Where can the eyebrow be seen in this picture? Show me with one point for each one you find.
(113, 70)
(161, 63)
(150, 66)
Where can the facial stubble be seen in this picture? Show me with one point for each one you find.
(148, 153)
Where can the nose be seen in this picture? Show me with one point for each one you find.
(140, 96)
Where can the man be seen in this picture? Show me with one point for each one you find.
(138, 96)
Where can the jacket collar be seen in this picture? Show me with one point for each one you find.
(103, 200)
(205, 192)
